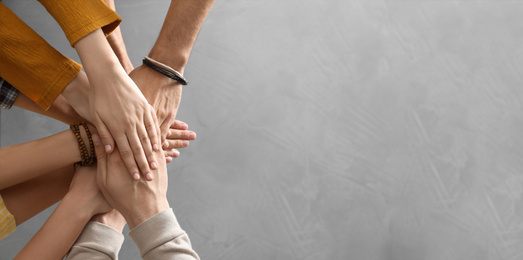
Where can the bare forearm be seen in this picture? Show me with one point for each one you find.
(45, 155)
(59, 232)
(29, 198)
(173, 47)
(179, 31)
(97, 57)
(118, 45)
(60, 110)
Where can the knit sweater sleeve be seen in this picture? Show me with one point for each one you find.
(29, 63)
(97, 242)
(78, 18)
(161, 237)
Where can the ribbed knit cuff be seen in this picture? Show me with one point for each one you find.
(99, 238)
(156, 231)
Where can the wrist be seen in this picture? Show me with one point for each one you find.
(96, 55)
(160, 81)
(77, 95)
(112, 218)
(78, 206)
(177, 61)
(142, 213)
(77, 89)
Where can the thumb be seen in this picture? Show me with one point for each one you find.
(164, 129)
(101, 165)
(99, 149)
(105, 135)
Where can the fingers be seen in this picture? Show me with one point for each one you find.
(99, 150)
(170, 155)
(179, 138)
(164, 128)
(181, 134)
(101, 157)
(139, 146)
(128, 156)
(173, 153)
(176, 144)
(177, 124)
(149, 138)
(151, 124)
(105, 135)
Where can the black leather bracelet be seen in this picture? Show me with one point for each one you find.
(165, 71)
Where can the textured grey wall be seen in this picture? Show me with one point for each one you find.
(337, 129)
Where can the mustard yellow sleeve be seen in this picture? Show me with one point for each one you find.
(29, 63)
(7, 221)
(78, 18)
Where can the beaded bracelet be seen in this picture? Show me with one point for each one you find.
(87, 159)
(165, 70)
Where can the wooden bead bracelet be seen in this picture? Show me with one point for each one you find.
(87, 159)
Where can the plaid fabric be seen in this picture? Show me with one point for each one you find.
(7, 94)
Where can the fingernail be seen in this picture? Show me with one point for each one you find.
(168, 159)
(165, 144)
(184, 125)
(176, 153)
(192, 135)
(155, 147)
(149, 176)
(136, 177)
(154, 165)
(168, 132)
(185, 143)
(107, 148)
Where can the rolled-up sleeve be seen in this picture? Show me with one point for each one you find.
(29, 63)
(79, 18)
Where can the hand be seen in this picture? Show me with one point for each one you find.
(112, 218)
(84, 190)
(77, 94)
(136, 200)
(177, 137)
(161, 92)
(118, 109)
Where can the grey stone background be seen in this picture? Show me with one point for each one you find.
(387, 130)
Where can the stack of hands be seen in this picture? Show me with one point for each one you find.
(132, 117)
(113, 198)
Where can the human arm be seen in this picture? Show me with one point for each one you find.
(115, 39)
(97, 242)
(66, 222)
(25, 200)
(15, 166)
(61, 109)
(161, 237)
(101, 238)
(117, 107)
(173, 47)
(25, 62)
(144, 206)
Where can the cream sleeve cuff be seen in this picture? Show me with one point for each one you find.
(161, 237)
(98, 242)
